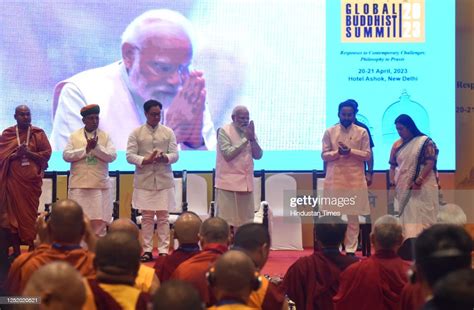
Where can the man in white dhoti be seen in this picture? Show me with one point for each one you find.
(346, 147)
(237, 147)
(90, 150)
(152, 148)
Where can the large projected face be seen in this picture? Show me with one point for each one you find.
(284, 60)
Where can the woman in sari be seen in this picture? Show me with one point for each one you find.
(414, 176)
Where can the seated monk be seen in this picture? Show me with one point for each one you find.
(146, 280)
(117, 262)
(233, 278)
(186, 230)
(177, 295)
(215, 238)
(58, 285)
(439, 250)
(60, 240)
(377, 282)
(254, 240)
(312, 281)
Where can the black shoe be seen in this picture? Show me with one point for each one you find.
(163, 254)
(350, 254)
(146, 257)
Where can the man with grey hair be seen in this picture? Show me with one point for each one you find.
(237, 147)
(382, 276)
(157, 52)
(451, 214)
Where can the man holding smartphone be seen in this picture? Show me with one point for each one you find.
(345, 149)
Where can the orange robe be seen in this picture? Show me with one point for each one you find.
(27, 263)
(375, 283)
(20, 185)
(267, 297)
(194, 270)
(312, 281)
(166, 265)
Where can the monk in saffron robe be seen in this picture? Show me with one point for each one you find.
(215, 238)
(254, 240)
(24, 155)
(65, 230)
(312, 281)
(146, 280)
(377, 282)
(117, 262)
(186, 230)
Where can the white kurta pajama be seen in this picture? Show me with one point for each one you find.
(89, 182)
(153, 184)
(345, 175)
(234, 177)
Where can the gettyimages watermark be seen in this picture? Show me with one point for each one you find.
(413, 206)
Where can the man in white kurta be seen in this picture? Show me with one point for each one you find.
(345, 149)
(156, 56)
(90, 150)
(237, 147)
(152, 148)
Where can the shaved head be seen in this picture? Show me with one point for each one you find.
(117, 254)
(186, 227)
(177, 295)
(234, 272)
(22, 107)
(22, 116)
(59, 285)
(387, 232)
(124, 225)
(215, 230)
(66, 222)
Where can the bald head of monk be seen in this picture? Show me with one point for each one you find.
(214, 230)
(117, 258)
(186, 228)
(233, 276)
(66, 223)
(124, 225)
(59, 286)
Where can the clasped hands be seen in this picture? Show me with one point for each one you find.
(155, 157)
(343, 149)
(185, 114)
(249, 131)
(91, 144)
(21, 151)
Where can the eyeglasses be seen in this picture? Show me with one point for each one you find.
(161, 68)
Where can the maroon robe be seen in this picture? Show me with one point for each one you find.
(194, 270)
(20, 185)
(375, 283)
(166, 265)
(312, 281)
(413, 297)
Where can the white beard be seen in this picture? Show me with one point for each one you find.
(139, 86)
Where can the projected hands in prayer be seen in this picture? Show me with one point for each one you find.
(185, 114)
